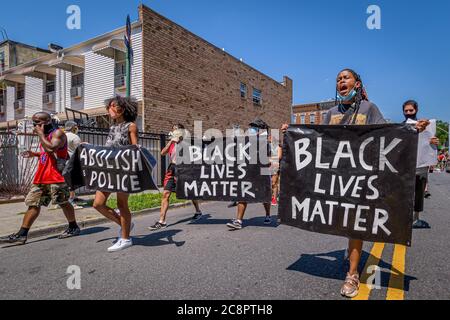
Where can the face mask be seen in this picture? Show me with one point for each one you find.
(348, 97)
(411, 116)
(253, 131)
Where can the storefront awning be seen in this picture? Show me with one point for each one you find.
(107, 48)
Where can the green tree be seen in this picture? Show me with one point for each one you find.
(442, 133)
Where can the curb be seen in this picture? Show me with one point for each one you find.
(49, 230)
(10, 201)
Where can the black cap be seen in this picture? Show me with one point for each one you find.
(258, 123)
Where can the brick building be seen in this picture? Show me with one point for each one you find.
(176, 77)
(186, 79)
(311, 113)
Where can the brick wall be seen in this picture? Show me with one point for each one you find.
(187, 79)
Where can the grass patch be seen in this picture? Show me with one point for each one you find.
(138, 202)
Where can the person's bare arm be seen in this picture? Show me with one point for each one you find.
(133, 131)
(165, 151)
(30, 154)
(58, 140)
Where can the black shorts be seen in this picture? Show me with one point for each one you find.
(170, 180)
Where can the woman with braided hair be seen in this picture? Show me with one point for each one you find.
(352, 107)
(352, 103)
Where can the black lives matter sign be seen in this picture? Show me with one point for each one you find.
(226, 169)
(127, 169)
(352, 181)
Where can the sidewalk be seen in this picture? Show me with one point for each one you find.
(54, 221)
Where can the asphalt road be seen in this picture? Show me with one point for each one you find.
(203, 260)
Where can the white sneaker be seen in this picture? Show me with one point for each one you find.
(121, 245)
(120, 232)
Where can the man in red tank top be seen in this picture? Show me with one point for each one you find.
(48, 184)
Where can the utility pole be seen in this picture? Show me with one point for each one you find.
(129, 55)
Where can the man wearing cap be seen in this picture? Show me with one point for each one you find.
(257, 127)
(170, 179)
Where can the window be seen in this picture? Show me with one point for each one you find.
(2, 62)
(50, 86)
(312, 118)
(324, 114)
(257, 96)
(20, 93)
(2, 97)
(78, 80)
(243, 90)
(119, 74)
(302, 119)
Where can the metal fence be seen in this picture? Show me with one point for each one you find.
(16, 173)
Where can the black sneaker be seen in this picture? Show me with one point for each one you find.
(197, 216)
(420, 224)
(235, 225)
(69, 233)
(233, 204)
(13, 239)
(268, 220)
(158, 226)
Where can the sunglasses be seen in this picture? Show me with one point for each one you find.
(35, 124)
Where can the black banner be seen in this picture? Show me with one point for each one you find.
(127, 169)
(352, 181)
(226, 169)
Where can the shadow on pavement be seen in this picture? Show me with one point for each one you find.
(331, 265)
(157, 239)
(154, 239)
(253, 222)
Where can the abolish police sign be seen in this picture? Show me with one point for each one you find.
(227, 169)
(126, 169)
(352, 181)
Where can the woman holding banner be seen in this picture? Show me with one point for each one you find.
(124, 132)
(353, 107)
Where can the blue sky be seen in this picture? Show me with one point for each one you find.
(310, 41)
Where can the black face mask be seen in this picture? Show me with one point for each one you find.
(411, 116)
